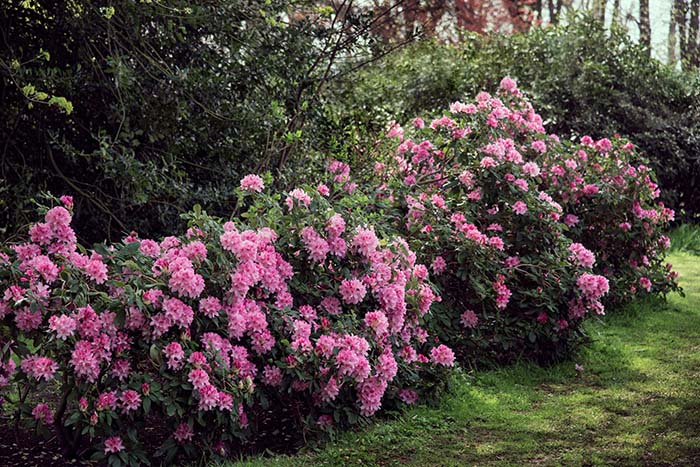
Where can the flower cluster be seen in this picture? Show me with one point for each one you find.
(304, 304)
(522, 229)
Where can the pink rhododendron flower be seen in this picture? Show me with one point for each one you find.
(64, 326)
(39, 367)
(130, 400)
(469, 319)
(150, 248)
(442, 355)
(645, 283)
(439, 265)
(252, 183)
(183, 433)
(592, 286)
(352, 291)
(43, 413)
(113, 445)
(519, 207)
(581, 255)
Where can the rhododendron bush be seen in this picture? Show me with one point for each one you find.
(612, 207)
(476, 232)
(525, 234)
(303, 307)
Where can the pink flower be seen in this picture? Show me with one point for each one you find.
(252, 183)
(331, 305)
(502, 293)
(210, 307)
(84, 361)
(298, 195)
(469, 319)
(183, 280)
(531, 169)
(67, 201)
(64, 326)
(378, 322)
(442, 355)
(44, 266)
(315, 245)
(645, 283)
(370, 393)
(183, 433)
(175, 355)
(199, 378)
(131, 400)
(96, 269)
(58, 216)
(592, 286)
(519, 207)
(590, 190)
(408, 396)
(439, 265)
(571, 220)
(150, 248)
(509, 84)
(106, 400)
(365, 241)
(42, 413)
(208, 397)
(352, 291)
(581, 255)
(272, 376)
(113, 445)
(539, 146)
(39, 367)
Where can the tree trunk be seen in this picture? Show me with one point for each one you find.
(599, 7)
(616, 12)
(693, 46)
(554, 7)
(644, 25)
(681, 9)
(672, 39)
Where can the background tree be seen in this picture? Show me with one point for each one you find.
(146, 108)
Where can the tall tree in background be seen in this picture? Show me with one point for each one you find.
(672, 40)
(693, 47)
(686, 20)
(598, 10)
(644, 25)
(616, 11)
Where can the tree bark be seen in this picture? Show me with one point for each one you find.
(693, 46)
(599, 7)
(681, 9)
(672, 39)
(644, 25)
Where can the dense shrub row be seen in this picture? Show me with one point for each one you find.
(475, 232)
(583, 78)
(526, 233)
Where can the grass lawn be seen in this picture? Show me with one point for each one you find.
(635, 403)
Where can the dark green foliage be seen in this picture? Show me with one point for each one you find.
(143, 109)
(581, 78)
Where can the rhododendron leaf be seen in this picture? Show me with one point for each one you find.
(154, 353)
(101, 249)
